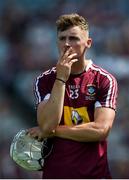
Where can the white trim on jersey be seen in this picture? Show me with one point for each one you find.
(110, 96)
(37, 93)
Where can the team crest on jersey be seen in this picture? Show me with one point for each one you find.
(91, 89)
(91, 92)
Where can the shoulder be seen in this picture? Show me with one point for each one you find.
(102, 73)
(106, 81)
(45, 78)
(50, 73)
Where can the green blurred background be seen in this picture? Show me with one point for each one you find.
(28, 47)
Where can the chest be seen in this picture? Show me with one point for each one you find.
(81, 92)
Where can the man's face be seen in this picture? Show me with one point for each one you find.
(74, 37)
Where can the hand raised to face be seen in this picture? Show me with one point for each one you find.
(65, 62)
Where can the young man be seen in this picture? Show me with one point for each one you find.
(76, 106)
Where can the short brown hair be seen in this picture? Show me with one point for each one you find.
(69, 20)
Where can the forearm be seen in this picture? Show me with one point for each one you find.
(88, 132)
(49, 114)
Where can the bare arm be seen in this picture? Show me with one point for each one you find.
(49, 112)
(92, 131)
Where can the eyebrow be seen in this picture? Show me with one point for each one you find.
(71, 36)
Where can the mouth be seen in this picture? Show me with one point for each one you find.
(71, 51)
(66, 49)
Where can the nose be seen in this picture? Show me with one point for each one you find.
(67, 43)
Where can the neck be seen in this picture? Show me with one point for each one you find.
(79, 66)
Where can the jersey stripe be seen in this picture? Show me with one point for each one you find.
(112, 100)
(114, 94)
(110, 96)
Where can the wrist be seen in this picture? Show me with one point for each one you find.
(61, 80)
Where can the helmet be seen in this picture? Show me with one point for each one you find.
(28, 152)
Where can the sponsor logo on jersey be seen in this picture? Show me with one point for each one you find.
(75, 115)
(76, 118)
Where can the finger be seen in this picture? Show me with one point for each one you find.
(32, 132)
(31, 129)
(28, 132)
(36, 136)
(66, 49)
(73, 61)
(70, 57)
(65, 54)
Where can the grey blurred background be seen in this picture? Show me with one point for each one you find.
(28, 47)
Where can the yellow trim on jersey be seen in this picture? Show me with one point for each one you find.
(82, 111)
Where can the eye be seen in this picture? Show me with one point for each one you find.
(62, 38)
(73, 38)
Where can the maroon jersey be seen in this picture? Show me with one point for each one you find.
(93, 88)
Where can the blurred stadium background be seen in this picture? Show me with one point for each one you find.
(28, 46)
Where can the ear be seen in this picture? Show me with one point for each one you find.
(88, 42)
